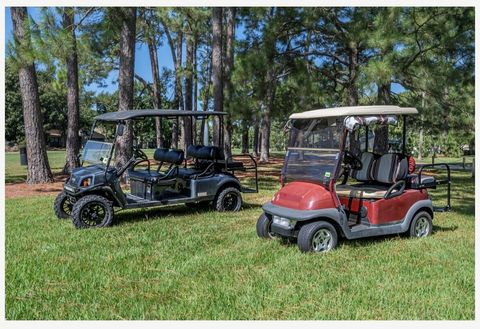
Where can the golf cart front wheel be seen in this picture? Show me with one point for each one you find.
(92, 211)
(317, 237)
(229, 199)
(421, 225)
(264, 226)
(63, 205)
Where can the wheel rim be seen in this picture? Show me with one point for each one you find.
(67, 206)
(322, 240)
(93, 214)
(421, 227)
(230, 201)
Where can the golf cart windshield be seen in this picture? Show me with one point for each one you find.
(313, 150)
(96, 152)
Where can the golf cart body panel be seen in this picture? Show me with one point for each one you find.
(386, 198)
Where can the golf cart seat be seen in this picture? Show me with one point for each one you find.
(205, 158)
(161, 155)
(377, 176)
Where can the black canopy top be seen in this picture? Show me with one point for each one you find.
(135, 114)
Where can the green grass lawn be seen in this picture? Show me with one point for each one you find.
(182, 263)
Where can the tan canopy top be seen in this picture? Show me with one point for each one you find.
(354, 110)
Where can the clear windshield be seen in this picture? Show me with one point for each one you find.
(313, 150)
(95, 152)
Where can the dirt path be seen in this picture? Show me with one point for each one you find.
(21, 190)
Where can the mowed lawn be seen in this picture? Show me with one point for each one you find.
(183, 263)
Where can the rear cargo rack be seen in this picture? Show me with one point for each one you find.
(448, 182)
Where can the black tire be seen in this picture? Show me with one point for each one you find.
(264, 225)
(317, 237)
(229, 199)
(62, 206)
(421, 225)
(86, 210)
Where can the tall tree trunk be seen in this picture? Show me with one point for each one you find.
(178, 99)
(266, 114)
(125, 81)
(187, 122)
(195, 89)
(217, 15)
(229, 60)
(380, 144)
(205, 101)
(73, 105)
(244, 136)
(256, 136)
(38, 170)
(420, 134)
(353, 64)
(157, 93)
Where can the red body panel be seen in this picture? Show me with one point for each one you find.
(383, 211)
(305, 196)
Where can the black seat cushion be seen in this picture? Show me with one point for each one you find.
(205, 152)
(169, 156)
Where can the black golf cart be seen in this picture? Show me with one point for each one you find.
(198, 175)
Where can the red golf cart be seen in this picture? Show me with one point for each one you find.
(336, 182)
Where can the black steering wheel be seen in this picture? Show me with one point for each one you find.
(139, 154)
(352, 161)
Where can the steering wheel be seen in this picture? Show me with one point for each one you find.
(352, 161)
(139, 154)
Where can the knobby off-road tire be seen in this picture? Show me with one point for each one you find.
(317, 237)
(264, 225)
(421, 225)
(229, 199)
(92, 211)
(62, 206)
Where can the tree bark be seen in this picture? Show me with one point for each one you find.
(217, 15)
(228, 69)
(353, 64)
(38, 169)
(187, 122)
(125, 81)
(380, 144)
(244, 136)
(256, 137)
(266, 113)
(178, 98)
(156, 87)
(73, 104)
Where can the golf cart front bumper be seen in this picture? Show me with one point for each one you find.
(287, 222)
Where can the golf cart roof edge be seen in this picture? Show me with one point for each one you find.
(133, 114)
(354, 110)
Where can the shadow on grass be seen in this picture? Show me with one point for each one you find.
(157, 213)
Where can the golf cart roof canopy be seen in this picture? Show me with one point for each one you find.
(135, 114)
(354, 110)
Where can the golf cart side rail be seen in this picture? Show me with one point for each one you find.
(448, 207)
(253, 166)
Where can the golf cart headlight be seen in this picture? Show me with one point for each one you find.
(285, 222)
(86, 182)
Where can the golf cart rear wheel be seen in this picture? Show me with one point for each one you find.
(264, 227)
(63, 206)
(317, 237)
(421, 225)
(92, 211)
(229, 199)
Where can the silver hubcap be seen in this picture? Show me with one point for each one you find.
(322, 240)
(421, 227)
